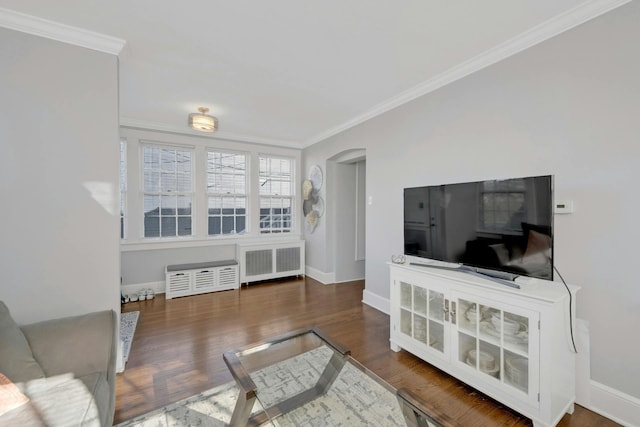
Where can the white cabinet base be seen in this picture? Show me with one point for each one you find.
(513, 345)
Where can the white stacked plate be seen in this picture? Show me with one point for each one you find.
(485, 362)
(517, 371)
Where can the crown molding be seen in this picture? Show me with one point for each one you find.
(219, 134)
(551, 28)
(61, 32)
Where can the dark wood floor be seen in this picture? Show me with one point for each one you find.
(178, 345)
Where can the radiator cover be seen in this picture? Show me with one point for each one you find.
(270, 260)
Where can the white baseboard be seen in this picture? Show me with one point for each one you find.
(324, 278)
(614, 404)
(376, 301)
(349, 280)
(158, 287)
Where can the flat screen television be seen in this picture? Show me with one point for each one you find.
(498, 225)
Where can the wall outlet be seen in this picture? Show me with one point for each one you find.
(563, 207)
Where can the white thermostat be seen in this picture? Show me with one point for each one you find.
(564, 207)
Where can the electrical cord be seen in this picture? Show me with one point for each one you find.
(575, 350)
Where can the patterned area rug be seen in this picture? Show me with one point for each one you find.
(355, 399)
(128, 322)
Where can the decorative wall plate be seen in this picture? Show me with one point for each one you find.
(318, 206)
(311, 221)
(307, 189)
(307, 206)
(315, 176)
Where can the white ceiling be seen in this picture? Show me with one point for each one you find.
(292, 72)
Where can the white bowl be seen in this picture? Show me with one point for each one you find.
(510, 326)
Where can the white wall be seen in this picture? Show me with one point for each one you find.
(58, 178)
(568, 107)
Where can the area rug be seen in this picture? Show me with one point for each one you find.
(355, 399)
(128, 322)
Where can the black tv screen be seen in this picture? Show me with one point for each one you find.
(504, 225)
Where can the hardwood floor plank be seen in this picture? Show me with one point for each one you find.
(178, 345)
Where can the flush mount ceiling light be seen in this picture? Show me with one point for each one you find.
(203, 122)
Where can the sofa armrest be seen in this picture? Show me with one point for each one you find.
(80, 344)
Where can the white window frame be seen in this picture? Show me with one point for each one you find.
(276, 222)
(170, 193)
(228, 197)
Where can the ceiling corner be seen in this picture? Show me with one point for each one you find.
(60, 32)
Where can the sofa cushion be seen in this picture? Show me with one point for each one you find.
(80, 344)
(16, 359)
(61, 400)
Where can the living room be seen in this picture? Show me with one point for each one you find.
(567, 106)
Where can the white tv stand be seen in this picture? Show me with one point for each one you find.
(520, 336)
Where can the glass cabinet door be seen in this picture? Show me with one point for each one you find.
(422, 315)
(495, 342)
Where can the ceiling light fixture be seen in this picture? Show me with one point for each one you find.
(203, 122)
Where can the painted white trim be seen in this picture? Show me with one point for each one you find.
(158, 287)
(348, 280)
(551, 28)
(160, 243)
(61, 32)
(324, 278)
(376, 301)
(220, 134)
(614, 404)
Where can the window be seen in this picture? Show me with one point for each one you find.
(226, 193)
(502, 206)
(167, 191)
(276, 194)
(123, 183)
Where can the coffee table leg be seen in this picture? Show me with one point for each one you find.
(413, 418)
(416, 414)
(330, 373)
(242, 410)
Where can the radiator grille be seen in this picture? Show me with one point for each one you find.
(259, 262)
(270, 260)
(287, 259)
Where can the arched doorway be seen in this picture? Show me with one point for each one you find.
(346, 171)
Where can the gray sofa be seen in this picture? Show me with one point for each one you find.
(66, 367)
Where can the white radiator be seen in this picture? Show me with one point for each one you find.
(270, 260)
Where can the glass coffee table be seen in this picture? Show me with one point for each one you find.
(305, 378)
